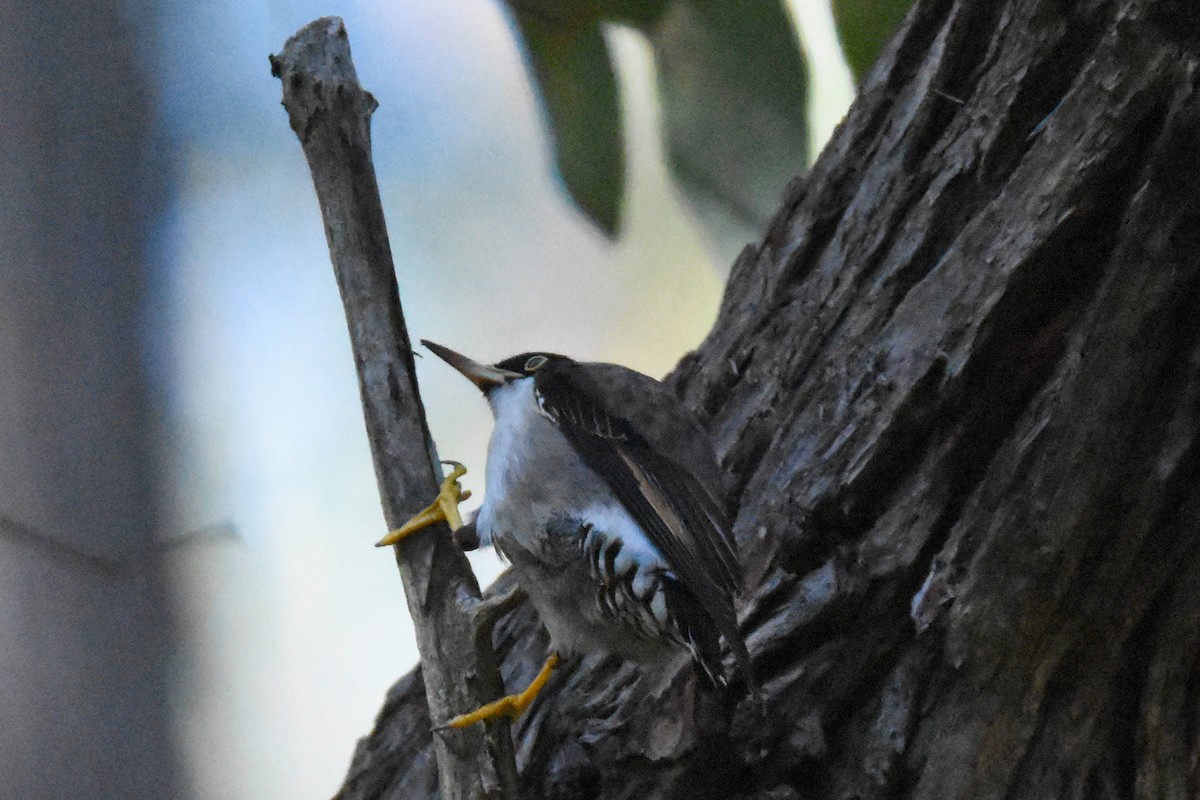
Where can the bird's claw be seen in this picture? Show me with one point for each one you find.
(510, 706)
(443, 509)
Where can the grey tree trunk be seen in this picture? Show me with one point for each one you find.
(957, 391)
(84, 627)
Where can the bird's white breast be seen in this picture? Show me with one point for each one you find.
(534, 475)
(515, 410)
(536, 481)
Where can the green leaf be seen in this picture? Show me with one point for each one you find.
(574, 78)
(578, 13)
(864, 26)
(734, 89)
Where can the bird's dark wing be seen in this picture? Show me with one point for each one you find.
(677, 512)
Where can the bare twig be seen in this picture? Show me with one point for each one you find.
(64, 550)
(330, 113)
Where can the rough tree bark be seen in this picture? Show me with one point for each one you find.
(956, 388)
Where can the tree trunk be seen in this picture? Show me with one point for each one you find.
(85, 630)
(956, 388)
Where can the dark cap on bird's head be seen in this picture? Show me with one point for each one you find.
(490, 376)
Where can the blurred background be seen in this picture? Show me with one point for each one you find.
(190, 603)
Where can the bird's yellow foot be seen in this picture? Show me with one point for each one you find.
(443, 509)
(512, 706)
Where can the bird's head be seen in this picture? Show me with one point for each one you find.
(489, 377)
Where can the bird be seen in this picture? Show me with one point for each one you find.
(604, 493)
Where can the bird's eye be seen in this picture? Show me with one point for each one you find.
(534, 363)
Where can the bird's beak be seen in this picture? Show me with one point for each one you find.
(485, 376)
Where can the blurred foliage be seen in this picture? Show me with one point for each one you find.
(575, 79)
(733, 87)
(863, 28)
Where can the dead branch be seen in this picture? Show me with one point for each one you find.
(330, 113)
